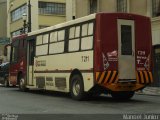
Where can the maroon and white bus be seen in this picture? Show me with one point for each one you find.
(99, 53)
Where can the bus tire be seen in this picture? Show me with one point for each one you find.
(122, 95)
(77, 87)
(22, 86)
(6, 82)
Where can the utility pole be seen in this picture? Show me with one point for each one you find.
(29, 16)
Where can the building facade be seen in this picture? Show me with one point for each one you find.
(43, 13)
(3, 28)
(150, 8)
(3, 23)
(86, 7)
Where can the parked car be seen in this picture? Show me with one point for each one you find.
(4, 73)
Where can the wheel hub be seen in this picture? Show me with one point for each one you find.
(76, 88)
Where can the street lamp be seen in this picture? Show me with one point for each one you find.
(24, 17)
(29, 16)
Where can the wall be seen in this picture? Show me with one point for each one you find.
(82, 8)
(48, 20)
(3, 20)
(156, 31)
(36, 19)
(107, 6)
(138, 7)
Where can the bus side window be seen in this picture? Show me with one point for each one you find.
(74, 45)
(45, 38)
(56, 48)
(74, 40)
(31, 52)
(42, 44)
(14, 54)
(71, 32)
(53, 37)
(90, 28)
(77, 33)
(39, 40)
(84, 29)
(87, 36)
(87, 43)
(61, 35)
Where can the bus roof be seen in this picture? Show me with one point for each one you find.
(19, 37)
(78, 20)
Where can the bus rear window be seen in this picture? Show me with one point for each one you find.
(126, 40)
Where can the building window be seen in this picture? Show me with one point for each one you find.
(121, 5)
(93, 6)
(155, 8)
(17, 13)
(52, 8)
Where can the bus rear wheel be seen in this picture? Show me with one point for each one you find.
(122, 95)
(77, 88)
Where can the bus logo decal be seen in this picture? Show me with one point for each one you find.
(105, 62)
(40, 63)
(112, 54)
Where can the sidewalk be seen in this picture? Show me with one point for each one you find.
(150, 91)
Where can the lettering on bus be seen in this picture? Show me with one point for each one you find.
(142, 60)
(40, 63)
(85, 58)
(141, 56)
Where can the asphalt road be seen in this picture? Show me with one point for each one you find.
(14, 102)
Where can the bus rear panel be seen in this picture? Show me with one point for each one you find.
(122, 51)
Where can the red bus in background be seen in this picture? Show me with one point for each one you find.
(18, 59)
(100, 53)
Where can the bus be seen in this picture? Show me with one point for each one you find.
(107, 53)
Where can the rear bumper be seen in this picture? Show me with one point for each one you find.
(111, 81)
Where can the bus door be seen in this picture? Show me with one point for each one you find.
(30, 61)
(126, 49)
(14, 65)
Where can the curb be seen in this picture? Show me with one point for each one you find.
(155, 91)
